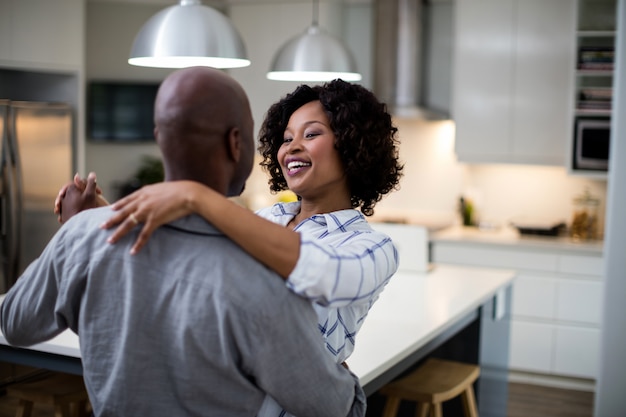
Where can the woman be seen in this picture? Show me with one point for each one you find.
(335, 147)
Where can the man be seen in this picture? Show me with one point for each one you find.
(191, 325)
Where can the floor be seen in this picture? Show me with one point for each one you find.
(524, 401)
(538, 401)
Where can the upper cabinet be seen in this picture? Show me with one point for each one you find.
(513, 79)
(42, 34)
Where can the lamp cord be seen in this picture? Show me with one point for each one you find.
(315, 21)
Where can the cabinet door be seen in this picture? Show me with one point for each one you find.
(579, 301)
(577, 352)
(545, 50)
(513, 80)
(534, 296)
(45, 34)
(531, 346)
(483, 65)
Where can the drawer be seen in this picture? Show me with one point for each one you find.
(582, 265)
(444, 252)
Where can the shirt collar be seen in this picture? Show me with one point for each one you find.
(342, 219)
(194, 224)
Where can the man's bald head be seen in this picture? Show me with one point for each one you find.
(204, 128)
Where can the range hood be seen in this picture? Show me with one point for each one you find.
(413, 52)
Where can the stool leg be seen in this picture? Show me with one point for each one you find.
(24, 409)
(421, 410)
(469, 402)
(436, 410)
(391, 407)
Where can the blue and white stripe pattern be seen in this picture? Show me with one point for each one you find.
(343, 267)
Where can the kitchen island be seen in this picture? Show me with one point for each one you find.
(453, 312)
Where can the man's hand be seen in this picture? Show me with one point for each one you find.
(78, 196)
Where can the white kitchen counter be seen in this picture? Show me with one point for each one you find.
(511, 237)
(413, 310)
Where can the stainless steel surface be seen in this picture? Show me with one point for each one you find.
(36, 160)
(399, 51)
(188, 34)
(314, 55)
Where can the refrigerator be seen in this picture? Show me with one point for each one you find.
(36, 160)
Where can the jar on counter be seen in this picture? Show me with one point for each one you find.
(585, 217)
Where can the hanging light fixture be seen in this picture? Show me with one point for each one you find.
(313, 56)
(188, 34)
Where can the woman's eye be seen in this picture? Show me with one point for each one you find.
(287, 140)
(311, 135)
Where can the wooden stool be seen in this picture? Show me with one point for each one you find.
(64, 392)
(431, 384)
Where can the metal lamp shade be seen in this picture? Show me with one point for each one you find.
(188, 34)
(313, 56)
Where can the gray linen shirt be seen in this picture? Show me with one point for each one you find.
(190, 326)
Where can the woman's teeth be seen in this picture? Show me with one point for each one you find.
(297, 164)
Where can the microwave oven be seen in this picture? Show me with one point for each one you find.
(592, 137)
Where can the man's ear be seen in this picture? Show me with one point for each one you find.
(233, 143)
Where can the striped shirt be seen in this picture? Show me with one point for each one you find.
(343, 267)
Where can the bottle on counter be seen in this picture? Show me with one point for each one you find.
(585, 217)
(466, 210)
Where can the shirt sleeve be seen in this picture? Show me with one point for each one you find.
(28, 313)
(355, 271)
(40, 305)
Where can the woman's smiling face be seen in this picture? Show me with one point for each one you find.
(309, 160)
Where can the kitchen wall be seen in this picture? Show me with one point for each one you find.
(264, 27)
(112, 25)
(110, 30)
(433, 180)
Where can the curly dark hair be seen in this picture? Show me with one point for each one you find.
(366, 139)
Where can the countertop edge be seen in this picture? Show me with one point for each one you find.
(511, 238)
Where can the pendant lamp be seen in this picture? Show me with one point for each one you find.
(314, 56)
(188, 34)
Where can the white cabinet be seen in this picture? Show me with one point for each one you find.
(513, 80)
(42, 34)
(579, 301)
(531, 346)
(556, 301)
(534, 296)
(576, 351)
